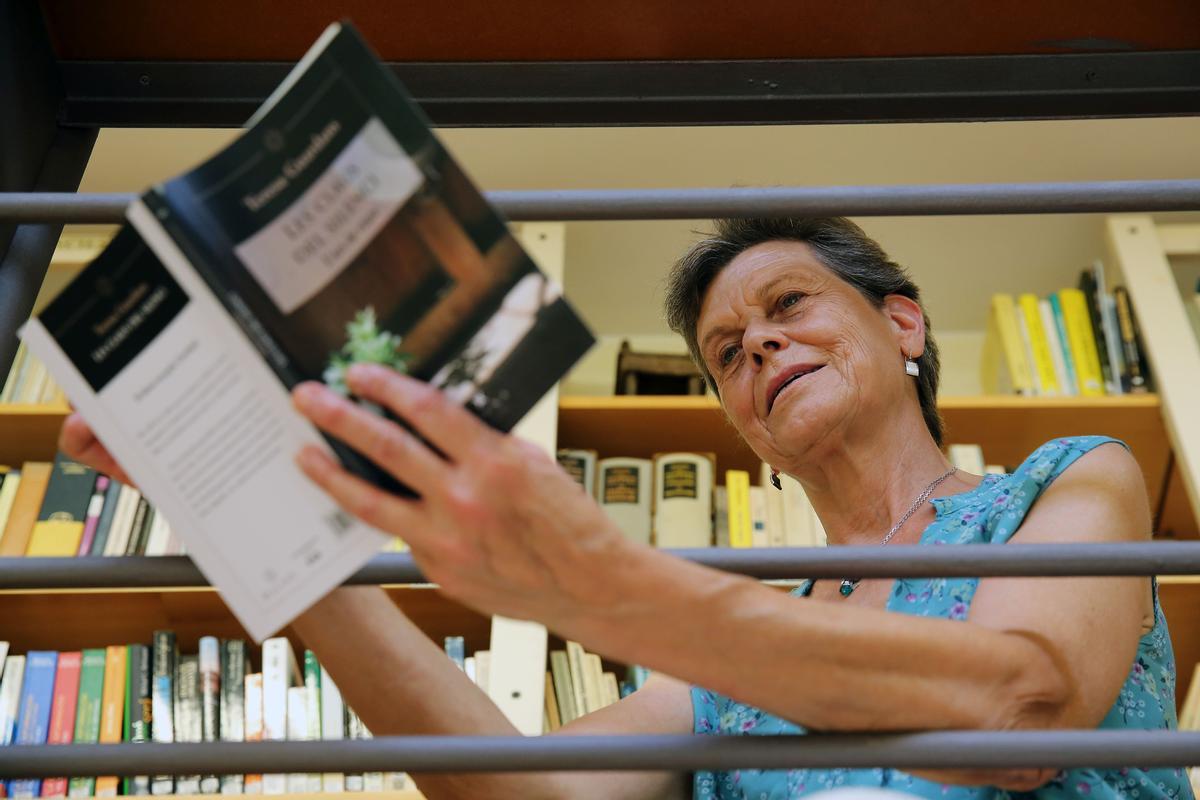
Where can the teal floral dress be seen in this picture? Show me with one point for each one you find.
(991, 512)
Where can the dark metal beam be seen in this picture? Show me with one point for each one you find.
(1102, 197)
(938, 750)
(785, 563)
(224, 94)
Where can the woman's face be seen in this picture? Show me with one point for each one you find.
(800, 357)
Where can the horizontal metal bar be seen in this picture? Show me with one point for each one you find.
(782, 563)
(671, 92)
(644, 204)
(936, 750)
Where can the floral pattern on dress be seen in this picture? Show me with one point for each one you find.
(990, 513)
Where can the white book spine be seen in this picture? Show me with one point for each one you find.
(798, 530)
(10, 697)
(773, 518)
(297, 730)
(253, 723)
(758, 516)
(118, 535)
(333, 728)
(279, 674)
(1065, 384)
(683, 488)
(624, 487)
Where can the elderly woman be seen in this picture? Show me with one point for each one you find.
(820, 352)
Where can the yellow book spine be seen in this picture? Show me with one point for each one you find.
(1082, 342)
(55, 538)
(112, 710)
(1043, 359)
(737, 490)
(1004, 314)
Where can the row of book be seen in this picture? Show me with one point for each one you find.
(671, 500)
(1082, 341)
(29, 382)
(151, 693)
(68, 509)
(576, 681)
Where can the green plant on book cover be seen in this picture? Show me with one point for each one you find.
(365, 344)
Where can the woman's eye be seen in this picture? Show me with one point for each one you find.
(790, 299)
(728, 353)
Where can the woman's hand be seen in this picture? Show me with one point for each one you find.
(498, 525)
(78, 441)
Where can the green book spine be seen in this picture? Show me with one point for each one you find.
(312, 696)
(137, 708)
(87, 714)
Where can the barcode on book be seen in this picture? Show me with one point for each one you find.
(339, 522)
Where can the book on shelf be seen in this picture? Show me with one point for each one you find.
(280, 672)
(683, 491)
(33, 716)
(61, 519)
(10, 696)
(112, 710)
(335, 229)
(62, 713)
(232, 715)
(164, 659)
(741, 524)
(209, 668)
(29, 383)
(139, 707)
(87, 713)
(625, 490)
(26, 503)
(580, 465)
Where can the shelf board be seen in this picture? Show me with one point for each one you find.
(29, 432)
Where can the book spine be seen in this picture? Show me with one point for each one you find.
(14, 374)
(721, 516)
(741, 527)
(1091, 290)
(33, 717)
(233, 703)
(92, 519)
(138, 708)
(772, 509)
(758, 516)
(560, 670)
(87, 714)
(683, 493)
(107, 513)
(253, 727)
(333, 728)
(60, 522)
(189, 725)
(35, 477)
(354, 730)
(166, 654)
(1069, 357)
(297, 722)
(1083, 342)
(112, 711)
(209, 666)
(8, 496)
(312, 697)
(575, 655)
(1043, 361)
(1112, 341)
(136, 528)
(1065, 386)
(279, 674)
(62, 713)
(553, 720)
(10, 697)
(1130, 342)
(118, 536)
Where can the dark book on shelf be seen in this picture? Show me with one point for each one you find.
(59, 527)
(335, 229)
(107, 512)
(138, 708)
(1136, 377)
(234, 668)
(189, 726)
(162, 700)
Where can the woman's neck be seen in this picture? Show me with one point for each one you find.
(864, 487)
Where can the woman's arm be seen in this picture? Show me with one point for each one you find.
(407, 685)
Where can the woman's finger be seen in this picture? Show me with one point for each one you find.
(387, 444)
(381, 510)
(78, 441)
(447, 426)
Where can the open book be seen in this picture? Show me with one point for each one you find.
(335, 228)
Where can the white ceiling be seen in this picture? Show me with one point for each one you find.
(614, 270)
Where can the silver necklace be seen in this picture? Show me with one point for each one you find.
(850, 584)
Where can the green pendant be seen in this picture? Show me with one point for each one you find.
(847, 587)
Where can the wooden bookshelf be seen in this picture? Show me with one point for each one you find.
(29, 432)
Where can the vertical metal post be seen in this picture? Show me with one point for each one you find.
(35, 154)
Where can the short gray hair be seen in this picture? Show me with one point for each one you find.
(838, 244)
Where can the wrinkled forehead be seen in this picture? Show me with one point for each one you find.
(749, 278)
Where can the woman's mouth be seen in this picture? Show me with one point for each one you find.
(786, 379)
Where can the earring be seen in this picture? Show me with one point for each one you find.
(775, 479)
(911, 367)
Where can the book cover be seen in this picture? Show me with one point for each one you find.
(312, 715)
(1004, 368)
(1069, 357)
(280, 672)
(335, 228)
(209, 668)
(253, 728)
(564, 692)
(87, 713)
(189, 723)
(108, 512)
(33, 716)
(741, 525)
(60, 522)
(62, 713)
(162, 700)
(233, 703)
(1082, 338)
(333, 728)
(624, 488)
(35, 476)
(10, 697)
(112, 711)
(580, 465)
(683, 485)
(138, 708)
(92, 518)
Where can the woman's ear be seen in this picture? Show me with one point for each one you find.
(908, 323)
